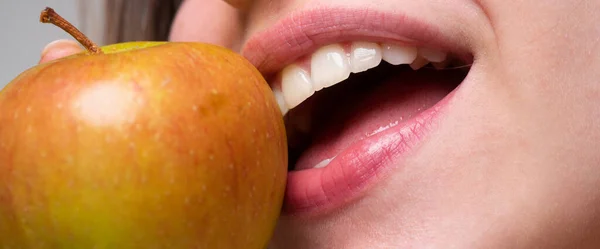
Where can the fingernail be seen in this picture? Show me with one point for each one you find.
(57, 44)
(58, 49)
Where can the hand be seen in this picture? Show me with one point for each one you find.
(59, 49)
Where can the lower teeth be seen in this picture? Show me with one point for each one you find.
(323, 163)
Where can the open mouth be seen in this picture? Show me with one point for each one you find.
(369, 91)
(353, 106)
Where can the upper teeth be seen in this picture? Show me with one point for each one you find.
(397, 55)
(328, 65)
(364, 56)
(333, 63)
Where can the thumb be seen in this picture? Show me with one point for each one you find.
(59, 49)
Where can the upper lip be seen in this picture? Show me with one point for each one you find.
(304, 31)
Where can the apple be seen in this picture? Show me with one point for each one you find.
(140, 145)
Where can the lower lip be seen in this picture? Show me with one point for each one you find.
(359, 166)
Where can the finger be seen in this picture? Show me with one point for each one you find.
(221, 23)
(58, 49)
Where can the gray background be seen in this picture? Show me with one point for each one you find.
(23, 37)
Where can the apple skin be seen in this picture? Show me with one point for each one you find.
(149, 145)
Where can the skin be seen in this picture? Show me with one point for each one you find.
(515, 161)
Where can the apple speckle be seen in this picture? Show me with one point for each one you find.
(157, 136)
(59, 105)
(203, 187)
(231, 166)
(139, 101)
(227, 188)
(29, 128)
(28, 109)
(211, 157)
(165, 82)
(16, 115)
(195, 108)
(24, 221)
(43, 154)
(191, 152)
(130, 120)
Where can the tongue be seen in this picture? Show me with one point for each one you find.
(369, 103)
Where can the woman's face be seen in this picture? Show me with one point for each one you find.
(501, 154)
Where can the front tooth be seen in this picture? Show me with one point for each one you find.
(296, 85)
(328, 66)
(364, 56)
(432, 54)
(279, 98)
(397, 54)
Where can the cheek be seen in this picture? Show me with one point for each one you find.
(210, 21)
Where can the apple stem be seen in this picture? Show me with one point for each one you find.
(50, 16)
